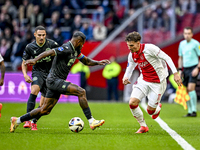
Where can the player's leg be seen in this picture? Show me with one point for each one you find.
(31, 102)
(136, 96)
(72, 89)
(154, 96)
(46, 108)
(34, 121)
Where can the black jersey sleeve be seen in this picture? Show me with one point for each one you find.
(54, 45)
(26, 53)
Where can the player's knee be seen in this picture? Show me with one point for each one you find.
(35, 91)
(133, 103)
(150, 112)
(82, 92)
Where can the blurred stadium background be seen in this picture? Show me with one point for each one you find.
(105, 23)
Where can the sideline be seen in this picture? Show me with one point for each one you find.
(184, 144)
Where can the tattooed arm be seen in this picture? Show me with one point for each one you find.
(90, 62)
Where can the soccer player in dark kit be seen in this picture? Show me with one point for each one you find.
(40, 70)
(65, 56)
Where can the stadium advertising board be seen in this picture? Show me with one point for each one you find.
(16, 89)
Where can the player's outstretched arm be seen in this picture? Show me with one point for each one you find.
(42, 55)
(90, 62)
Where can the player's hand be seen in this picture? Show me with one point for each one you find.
(31, 62)
(195, 72)
(104, 62)
(177, 79)
(126, 81)
(27, 79)
(1, 82)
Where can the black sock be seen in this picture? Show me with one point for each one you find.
(87, 113)
(37, 118)
(25, 117)
(31, 102)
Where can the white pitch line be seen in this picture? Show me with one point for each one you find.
(182, 142)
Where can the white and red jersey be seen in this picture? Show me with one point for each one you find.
(151, 61)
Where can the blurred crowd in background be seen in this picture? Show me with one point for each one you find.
(95, 18)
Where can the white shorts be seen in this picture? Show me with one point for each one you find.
(153, 91)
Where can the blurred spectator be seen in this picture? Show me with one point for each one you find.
(110, 28)
(147, 16)
(165, 23)
(113, 18)
(16, 27)
(18, 49)
(98, 15)
(55, 22)
(132, 26)
(5, 49)
(45, 7)
(99, 32)
(56, 36)
(8, 35)
(37, 17)
(25, 11)
(68, 19)
(5, 21)
(87, 29)
(57, 7)
(188, 6)
(11, 9)
(76, 24)
(15, 58)
(110, 73)
(154, 21)
(106, 5)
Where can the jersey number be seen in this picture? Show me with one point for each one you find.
(71, 61)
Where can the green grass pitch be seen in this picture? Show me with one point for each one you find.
(118, 132)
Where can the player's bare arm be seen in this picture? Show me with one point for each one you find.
(42, 55)
(2, 72)
(90, 62)
(24, 71)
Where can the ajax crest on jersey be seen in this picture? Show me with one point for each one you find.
(76, 124)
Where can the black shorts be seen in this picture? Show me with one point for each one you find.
(40, 80)
(187, 76)
(55, 87)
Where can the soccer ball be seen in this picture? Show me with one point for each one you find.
(76, 124)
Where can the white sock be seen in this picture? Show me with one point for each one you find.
(157, 110)
(18, 121)
(138, 114)
(91, 120)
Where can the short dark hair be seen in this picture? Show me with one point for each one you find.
(133, 36)
(79, 34)
(39, 28)
(189, 28)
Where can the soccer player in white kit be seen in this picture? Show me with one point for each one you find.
(151, 61)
